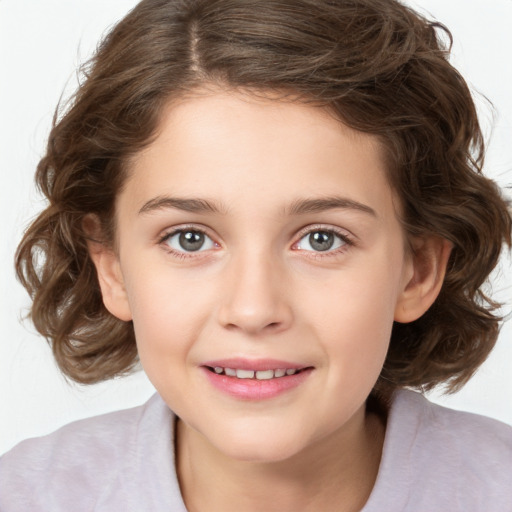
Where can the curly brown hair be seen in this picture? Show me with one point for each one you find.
(380, 67)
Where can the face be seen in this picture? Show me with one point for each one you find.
(262, 262)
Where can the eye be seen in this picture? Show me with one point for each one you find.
(189, 240)
(321, 241)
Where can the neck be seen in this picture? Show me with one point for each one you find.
(336, 473)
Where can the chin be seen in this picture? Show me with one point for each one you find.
(260, 447)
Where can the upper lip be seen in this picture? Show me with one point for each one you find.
(254, 364)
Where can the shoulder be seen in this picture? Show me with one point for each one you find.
(437, 458)
(476, 442)
(85, 463)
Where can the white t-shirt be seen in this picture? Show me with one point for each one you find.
(434, 460)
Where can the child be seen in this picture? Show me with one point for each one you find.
(277, 207)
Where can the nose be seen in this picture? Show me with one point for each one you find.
(255, 299)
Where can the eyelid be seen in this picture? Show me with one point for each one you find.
(346, 236)
(174, 230)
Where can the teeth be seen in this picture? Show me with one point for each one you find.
(245, 374)
(265, 374)
(251, 374)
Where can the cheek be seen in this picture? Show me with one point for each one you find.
(354, 318)
(167, 317)
(356, 335)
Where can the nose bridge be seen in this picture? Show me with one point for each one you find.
(255, 297)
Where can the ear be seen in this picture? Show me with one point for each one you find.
(425, 275)
(108, 270)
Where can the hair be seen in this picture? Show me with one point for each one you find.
(379, 66)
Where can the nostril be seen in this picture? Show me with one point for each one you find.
(254, 317)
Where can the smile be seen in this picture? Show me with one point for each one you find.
(255, 380)
(254, 374)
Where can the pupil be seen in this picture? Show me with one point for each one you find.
(321, 240)
(191, 240)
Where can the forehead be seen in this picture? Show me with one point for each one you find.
(242, 149)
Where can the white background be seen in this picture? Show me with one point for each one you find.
(41, 44)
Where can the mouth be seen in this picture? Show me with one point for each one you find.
(257, 380)
(268, 374)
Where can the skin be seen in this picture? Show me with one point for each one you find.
(258, 289)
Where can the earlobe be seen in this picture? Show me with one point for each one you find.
(108, 270)
(428, 262)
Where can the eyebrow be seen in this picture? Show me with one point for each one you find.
(185, 204)
(297, 207)
(302, 206)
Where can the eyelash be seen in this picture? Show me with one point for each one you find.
(348, 241)
(182, 229)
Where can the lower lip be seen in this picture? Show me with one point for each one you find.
(253, 389)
